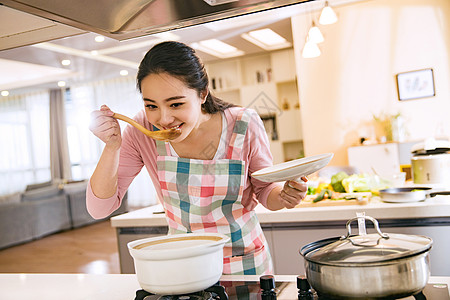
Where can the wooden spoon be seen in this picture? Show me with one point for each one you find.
(162, 135)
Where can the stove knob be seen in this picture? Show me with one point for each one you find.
(304, 289)
(267, 284)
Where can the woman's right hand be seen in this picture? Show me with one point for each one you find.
(105, 127)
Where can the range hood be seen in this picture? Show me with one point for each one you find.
(125, 19)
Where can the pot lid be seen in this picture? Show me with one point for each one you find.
(365, 248)
(431, 146)
(370, 248)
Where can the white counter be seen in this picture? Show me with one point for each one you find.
(94, 287)
(438, 206)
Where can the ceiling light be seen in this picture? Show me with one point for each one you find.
(5, 93)
(310, 50)
(218, 2)
(167, 36)
(87, 54)
(65, 62)
(266, 39)
(314, 34)
(327, 16)
(99, 38)
(61, 83)
(217, 48)
(124, 72)
(26, 75)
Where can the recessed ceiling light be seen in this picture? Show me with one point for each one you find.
(99, 38)
(94, 52)
(218, 2)
(167, 36)
(61, 83)
(124, 72)
(65, 62)
(5, 93)
(217, 48)
(267, 39)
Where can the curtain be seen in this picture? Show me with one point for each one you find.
(24, 136)
(85, 149)
(59, 150)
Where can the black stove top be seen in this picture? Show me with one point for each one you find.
(268, 289)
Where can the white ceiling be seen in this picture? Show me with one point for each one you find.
(39, 66)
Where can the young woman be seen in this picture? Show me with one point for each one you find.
(202, 178)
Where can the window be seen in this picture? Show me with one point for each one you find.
(25, 146)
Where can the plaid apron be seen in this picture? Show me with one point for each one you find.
(205, 196)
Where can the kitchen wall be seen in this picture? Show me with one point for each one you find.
(354, 77)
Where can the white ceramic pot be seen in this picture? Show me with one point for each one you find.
(178, 264)
(431, 169)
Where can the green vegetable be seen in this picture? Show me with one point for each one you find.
(358, 183)
(322, 194)
(336, 181)
(311, 190)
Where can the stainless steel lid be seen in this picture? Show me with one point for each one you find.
(367, 248)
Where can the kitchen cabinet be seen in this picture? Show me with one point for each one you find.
(126, 235)
(286, 240)
(385, 159)
(266, 83)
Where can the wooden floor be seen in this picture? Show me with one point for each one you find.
(91, 250)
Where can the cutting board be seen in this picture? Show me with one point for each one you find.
(364, 199)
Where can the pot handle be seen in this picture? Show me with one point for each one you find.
(375, 224)
(439, 193)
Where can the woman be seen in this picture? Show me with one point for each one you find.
(202, 177)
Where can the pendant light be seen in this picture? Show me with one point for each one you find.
(310, 49)
(327, 16)
(314, 34)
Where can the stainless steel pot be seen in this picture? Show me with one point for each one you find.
(368, 266)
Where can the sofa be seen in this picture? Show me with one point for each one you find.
(43, 209)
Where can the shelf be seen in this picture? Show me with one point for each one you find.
(266, 83)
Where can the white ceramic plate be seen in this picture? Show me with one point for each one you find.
(294, 169)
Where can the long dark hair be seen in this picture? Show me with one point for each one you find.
(180, 60)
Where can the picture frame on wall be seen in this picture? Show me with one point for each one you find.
(415, 84)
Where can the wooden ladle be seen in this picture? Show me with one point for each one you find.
(162, 135)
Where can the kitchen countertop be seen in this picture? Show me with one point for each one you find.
(435, 207)
(95, 286)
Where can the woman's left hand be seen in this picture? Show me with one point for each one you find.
(293, 192)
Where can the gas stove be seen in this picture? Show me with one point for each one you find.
(267, 289)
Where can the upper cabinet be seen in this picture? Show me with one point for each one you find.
(283, 65)
(266, 83)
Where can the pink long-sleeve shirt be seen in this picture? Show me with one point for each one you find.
(138, 150)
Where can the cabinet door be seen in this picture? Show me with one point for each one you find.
(286, 244)
(290, 125)
(384, 158)
(262, 98)
(283, 65)
(224, 76)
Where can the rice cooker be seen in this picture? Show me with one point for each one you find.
(430, 163)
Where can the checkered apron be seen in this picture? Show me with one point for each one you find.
(205, 196)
